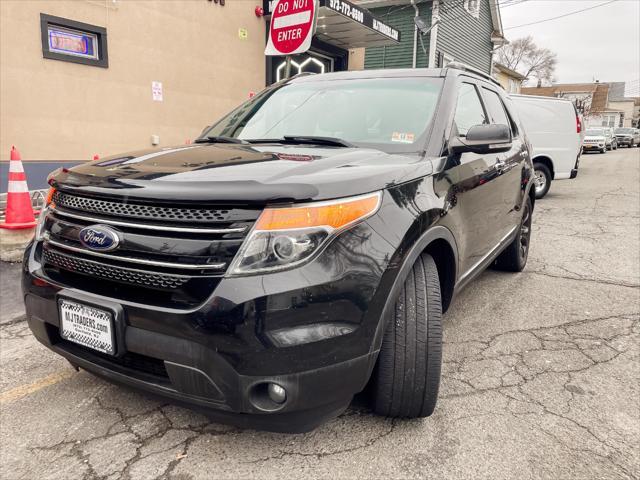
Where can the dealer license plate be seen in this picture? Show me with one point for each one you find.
(87, 326)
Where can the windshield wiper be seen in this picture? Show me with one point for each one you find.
(305, 139)
(219, 139)
(333, 141)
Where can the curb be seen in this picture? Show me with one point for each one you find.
(13, 243)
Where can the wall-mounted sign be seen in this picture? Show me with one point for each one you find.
(71, 41)
(292, 25)
(156, 91)
(363, 17)
(347, 9)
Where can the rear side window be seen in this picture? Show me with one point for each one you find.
(469, 111)
(496, 108)
(498, 111)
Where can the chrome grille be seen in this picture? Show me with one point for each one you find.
(112, 272)
(181, 253)
(141, 211)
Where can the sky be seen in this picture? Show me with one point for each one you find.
(599, 44)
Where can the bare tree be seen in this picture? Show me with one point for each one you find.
(525, 57)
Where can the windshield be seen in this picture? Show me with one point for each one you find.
(595, 132)
(387, 113)
(624, 130)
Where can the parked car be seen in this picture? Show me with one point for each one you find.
(555, 130)
(595, 139)
(610, 138)
(627, 136)
(305, 247)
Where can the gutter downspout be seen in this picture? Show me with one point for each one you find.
(433, 38)
(415, 36)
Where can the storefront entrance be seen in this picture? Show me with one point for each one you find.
(321, 58)
(341, 25)
(305, 63)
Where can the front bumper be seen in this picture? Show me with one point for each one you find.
(205, 383)
(593, 146)
(625, 141)
(219, 357)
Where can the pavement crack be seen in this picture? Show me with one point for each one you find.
(319, 455)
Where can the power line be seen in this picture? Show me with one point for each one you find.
(562, 16)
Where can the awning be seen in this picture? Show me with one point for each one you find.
(345, 25)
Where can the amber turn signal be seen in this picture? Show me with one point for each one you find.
(334, 214)
(49, 197)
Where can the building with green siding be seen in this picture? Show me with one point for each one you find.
(466, 31)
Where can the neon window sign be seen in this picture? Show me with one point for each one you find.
(73, 42)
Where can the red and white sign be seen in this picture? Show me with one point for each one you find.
(292, 25)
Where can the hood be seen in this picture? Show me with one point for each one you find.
(599, 138)
(242, 173)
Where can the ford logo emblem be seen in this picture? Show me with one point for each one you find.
(99, 237)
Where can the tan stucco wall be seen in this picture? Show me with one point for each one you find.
(55, 110)
(356, 59)
(627, 107)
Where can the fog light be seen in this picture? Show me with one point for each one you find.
(277, 393)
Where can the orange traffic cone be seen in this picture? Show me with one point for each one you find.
(19, 213)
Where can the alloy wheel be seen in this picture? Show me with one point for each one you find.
(525, 232)
(540, 180)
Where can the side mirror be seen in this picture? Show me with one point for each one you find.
(483, 139)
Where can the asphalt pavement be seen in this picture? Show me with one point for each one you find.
(541, 378)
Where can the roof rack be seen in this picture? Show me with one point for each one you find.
(467, 68)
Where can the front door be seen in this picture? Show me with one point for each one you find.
(470, 185)
(512, 162)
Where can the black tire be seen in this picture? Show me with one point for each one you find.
(541, 168)
(514, 257)
(407, 377)
(604, 150)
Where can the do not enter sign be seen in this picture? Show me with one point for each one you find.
(292, 23)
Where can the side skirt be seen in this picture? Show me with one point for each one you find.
(484, 262)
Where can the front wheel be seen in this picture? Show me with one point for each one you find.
(407, 376)
(514, 257)
(542, 179)
(604, 150)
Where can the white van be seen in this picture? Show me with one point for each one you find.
(555, 131)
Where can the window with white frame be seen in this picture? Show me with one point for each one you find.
(609, 120)
(513, 85)
(446, 60)
(473, 7)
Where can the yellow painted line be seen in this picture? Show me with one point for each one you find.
(24, 390)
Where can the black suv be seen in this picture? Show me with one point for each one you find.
(303, 249)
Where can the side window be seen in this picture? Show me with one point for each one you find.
(495, 107)
(469, 111)
(497, 110)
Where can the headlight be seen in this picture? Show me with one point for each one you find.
(39, 233)
(284, 237)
